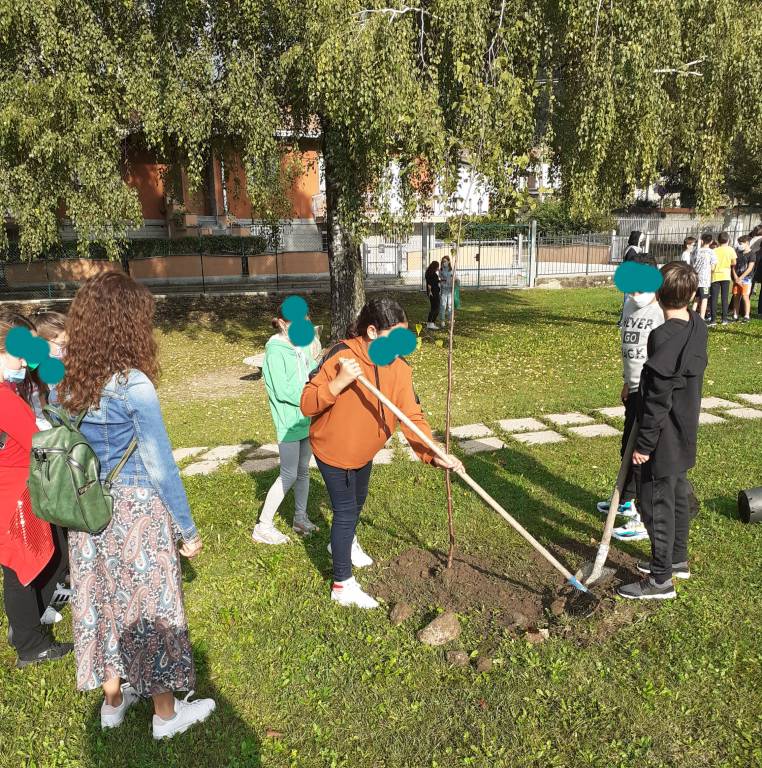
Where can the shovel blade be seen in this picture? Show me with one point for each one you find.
(585, 574)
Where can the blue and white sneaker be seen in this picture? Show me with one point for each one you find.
(632, 530)
(627, 509)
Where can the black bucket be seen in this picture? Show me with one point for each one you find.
(750, 505)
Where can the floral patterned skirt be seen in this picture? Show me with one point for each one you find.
(127, 600)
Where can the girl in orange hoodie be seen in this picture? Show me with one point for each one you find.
(349, 426)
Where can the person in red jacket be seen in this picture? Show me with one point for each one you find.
(32, 563)
(349, 426)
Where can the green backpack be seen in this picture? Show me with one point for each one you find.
(64, 479)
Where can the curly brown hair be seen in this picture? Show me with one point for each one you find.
(110, 328)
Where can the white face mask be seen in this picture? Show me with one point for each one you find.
(642, 299)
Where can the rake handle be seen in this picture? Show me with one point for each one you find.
(469, 481)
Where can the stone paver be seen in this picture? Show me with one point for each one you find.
(539, 438)
(744, 413)
(384, 456)
(202, 468)
(224, 452)
(521, 425)
(471, 431)
(259, 465)
(617, 412)
(264, 451)
(410, 453)
(753, 399)
(595, 430)
(471, 447)
(710, 418)
(567, 419)
(716, 402)
(180, 454)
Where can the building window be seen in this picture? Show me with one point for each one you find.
(324, 239)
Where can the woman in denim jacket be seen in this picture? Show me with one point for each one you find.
(129, 623)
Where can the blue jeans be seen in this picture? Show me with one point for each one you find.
(348, 489)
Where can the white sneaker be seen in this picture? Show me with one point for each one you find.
(359, 558)
(51, 616)
(627, 509)
(432, 326)
(632, 530)
(111, 717)
(349, 592)
(187, 713)
(268, 534)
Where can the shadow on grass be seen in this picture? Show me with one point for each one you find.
(545, 523)
(225, 739)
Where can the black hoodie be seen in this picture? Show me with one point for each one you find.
(670, 388)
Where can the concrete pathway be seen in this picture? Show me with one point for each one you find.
(476, 438)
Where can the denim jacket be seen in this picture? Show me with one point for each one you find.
(129, 407)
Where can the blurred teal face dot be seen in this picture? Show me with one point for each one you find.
(20, 342)
(52, 371)
(399, 343)
(301, 333)
(294, 308)
(633, 277)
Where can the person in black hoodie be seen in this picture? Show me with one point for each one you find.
(670, 391)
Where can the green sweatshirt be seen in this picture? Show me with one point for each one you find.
(286, 369)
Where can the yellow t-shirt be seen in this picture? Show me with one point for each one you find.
(725, 257)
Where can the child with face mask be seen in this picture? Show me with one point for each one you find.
(32, 554)
(285, 371)
(50, 326)
(641, 315)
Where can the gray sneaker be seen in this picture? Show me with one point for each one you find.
(679, 570)
(647, 589)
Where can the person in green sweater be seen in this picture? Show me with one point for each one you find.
(286, 370)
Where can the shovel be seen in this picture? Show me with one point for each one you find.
(573, 580)
(592, 572)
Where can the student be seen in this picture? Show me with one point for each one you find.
(349, 426)
(34, 561)
(665, 449)
(445, 304)
(128, 617)
(755, 243)
(642, 314)
(701, 261)
(742, 272)
(286, 370)
(634, 246)
(722, 260)
(50, 326)
(433, 292)
(688, 246)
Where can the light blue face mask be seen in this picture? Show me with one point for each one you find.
(14, 377)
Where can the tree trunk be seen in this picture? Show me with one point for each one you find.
(344, 260)
(448, 479)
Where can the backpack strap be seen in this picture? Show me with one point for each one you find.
(58, 414)
(108, 482)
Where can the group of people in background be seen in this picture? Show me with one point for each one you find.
(129, 623)
(439, 289)
(727, 273)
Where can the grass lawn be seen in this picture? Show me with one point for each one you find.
(301, 683)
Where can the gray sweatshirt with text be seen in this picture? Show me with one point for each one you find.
(637, 324)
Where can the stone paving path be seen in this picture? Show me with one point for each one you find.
(474, 438)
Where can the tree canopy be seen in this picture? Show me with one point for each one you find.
(612, 92)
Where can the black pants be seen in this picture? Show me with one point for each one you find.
(25, 605)
(665, 509)
(434, 311)
(756, 282)
(348, 489)
(724, 286)
(631, 405)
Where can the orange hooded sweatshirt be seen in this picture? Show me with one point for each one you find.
(348, 430)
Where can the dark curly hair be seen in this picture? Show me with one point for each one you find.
(110, 328)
